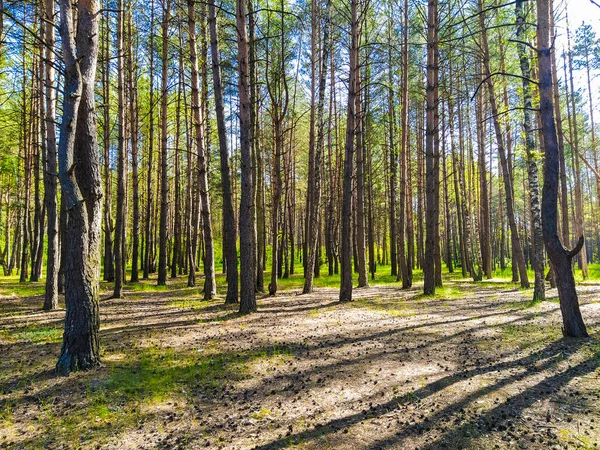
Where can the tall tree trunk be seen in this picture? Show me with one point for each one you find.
(230, 231)
(150, 167)
(109, 262)
(346, 233)
(257, 155)
(431, 153)
(405, 212)
(164, 178)
(79, 175)
(198, 120)
(560, 257)
(175, 254)
(135, 183)
(314, 207)
(50, 180)
(485, 229)
(121, 175)
(532, 168)
(564, 199)
(517, 249)
(246, 213)
(393, 168)
(579, 213)
(363, 279)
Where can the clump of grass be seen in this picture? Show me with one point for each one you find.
(262, 414)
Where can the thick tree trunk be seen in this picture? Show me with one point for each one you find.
(560, 257)
(79, 174)
(485, 228)
(564, 199)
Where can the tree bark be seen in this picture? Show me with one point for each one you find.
(79, 175)
(198, 120)
(164, 178)
(230, 232)
(50, 180)
(363, 279)
(346, 232)
(121, 174)
(135, 183)
(314, 207)
(532, 167)
(560, 257)
(246, 213)
(431, 153)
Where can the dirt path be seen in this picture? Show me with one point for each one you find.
(477, 367)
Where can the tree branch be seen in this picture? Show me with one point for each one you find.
(577, 248)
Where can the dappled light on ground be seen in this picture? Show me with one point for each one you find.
(476, 366)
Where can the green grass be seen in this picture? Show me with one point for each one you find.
(10, 287)
(444, 293)
(526, 336)
(136, 386)
(387, 306)
(35, 333)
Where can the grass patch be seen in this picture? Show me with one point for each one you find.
(388, 306)
(153, 382)
(34, 333)
(526, 336)
(262, 414)
(10, 287)
(444, 293)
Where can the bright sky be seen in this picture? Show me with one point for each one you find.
(579, 11)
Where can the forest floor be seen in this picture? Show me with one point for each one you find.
(478, 366)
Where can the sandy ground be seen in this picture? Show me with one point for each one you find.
(392, 370)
